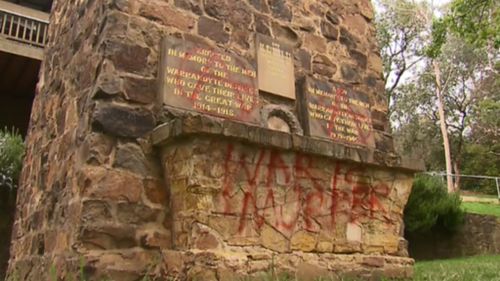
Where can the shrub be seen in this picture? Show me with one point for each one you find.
(11, 157)
(431, 208)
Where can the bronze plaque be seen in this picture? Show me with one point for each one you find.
(275, 67)
(200, 78)
(333, 111)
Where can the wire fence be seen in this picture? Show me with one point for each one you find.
(473, 185)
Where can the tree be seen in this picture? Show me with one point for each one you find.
(482, 147)
(451, 81)
(478, 23)
(433, 52)
(467, 66)
(401, 29)
(440, 79)
(486, 124)
(404, 27)
(439, 89)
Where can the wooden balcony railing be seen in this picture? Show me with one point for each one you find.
(23, 25)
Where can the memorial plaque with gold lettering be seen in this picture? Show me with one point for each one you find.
(200, 78)
(335, 112)
(275, 67)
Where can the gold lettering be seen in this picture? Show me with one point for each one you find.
(175, 81)
(172, 52)
(344, 116)
(220, 73)
(212, 82)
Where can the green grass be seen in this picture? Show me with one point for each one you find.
(480, 268)
(482, 209)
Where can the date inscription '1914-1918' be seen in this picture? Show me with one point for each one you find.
(332, 111)
(203, 79)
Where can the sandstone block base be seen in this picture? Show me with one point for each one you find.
(252, 201)
(231, 266)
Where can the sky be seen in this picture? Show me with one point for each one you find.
(434, 2)
(439, 2)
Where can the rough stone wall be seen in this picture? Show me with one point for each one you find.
(480, 235)
(48, 205)
(282, 201)
(237, 201)
(82, 190)
(92, 186)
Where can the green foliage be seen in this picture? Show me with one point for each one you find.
(481, 159)
(475, 21)
(439, 33)
(482, 150)
(11, 157)
(431, 208)
(488, 111)
(486, 124)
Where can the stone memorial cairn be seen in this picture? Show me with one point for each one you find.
(211, 140)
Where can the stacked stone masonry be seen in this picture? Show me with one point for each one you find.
(480, 235)
(100, 196)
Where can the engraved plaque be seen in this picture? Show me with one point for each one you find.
(200, 78)
(275, 67)
(336, 112)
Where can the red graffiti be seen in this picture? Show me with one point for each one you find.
(287, 190)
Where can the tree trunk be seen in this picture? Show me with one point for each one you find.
(444, 130)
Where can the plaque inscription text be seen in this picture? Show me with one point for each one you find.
(334, 112)
(200, 78)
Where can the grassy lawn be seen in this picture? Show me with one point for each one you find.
(481, 268)
(482, 208)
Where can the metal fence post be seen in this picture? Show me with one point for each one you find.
(498, 187)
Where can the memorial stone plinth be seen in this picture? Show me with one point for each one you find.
(238, 189)
(210, 140)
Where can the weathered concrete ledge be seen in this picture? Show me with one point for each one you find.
(190, 124)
